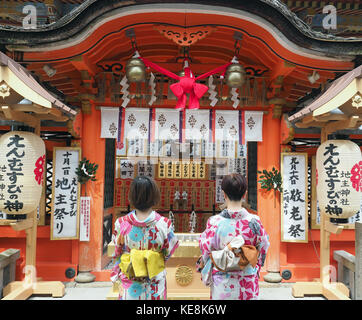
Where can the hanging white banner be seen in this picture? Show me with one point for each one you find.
(136, 123)
(253, 125)
(109, 123)
(167, 124)
(294, 205)
(197, 124)
(227, 125)
(84, 219)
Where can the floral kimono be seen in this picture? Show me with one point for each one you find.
(220, 230)
(156, 234)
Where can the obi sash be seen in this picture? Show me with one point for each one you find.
(235, 256)
(140, 264)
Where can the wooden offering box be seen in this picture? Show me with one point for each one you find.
(183, 282)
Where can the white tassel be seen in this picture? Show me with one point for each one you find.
(212, 92)
(125, 92)
(234, 98)
(152, 84)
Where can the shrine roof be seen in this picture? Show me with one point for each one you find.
(274, 11)
(325, 103)
(37, 93)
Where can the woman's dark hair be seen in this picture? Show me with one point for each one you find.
(143, 193)
(234, 186)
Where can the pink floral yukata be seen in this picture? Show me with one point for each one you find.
(154, 233)
(220, 230)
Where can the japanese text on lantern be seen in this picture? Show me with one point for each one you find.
(13, 169)
(333, 177)
(294, 209)
(65, 217)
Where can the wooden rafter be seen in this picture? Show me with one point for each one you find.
(349, 123)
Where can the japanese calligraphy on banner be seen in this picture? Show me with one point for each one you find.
(219, 196)
(225, 149)
(22, 163)
(65, 195)
(338, 178)
(126, 169)
(146, 168)
(168, 149)
(185, 170)
(294, 208)
(137, 147)
(84, 216)
(207, 150)
(177, 170)
(237, 165)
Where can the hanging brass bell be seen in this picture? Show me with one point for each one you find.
(181, 73)
(135, 70)
(235, 75)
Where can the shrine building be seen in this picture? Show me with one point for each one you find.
(113, 70)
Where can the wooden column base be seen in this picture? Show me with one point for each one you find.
(20, 290)
(332, 291)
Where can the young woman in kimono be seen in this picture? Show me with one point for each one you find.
(143, 240)
(234, 222)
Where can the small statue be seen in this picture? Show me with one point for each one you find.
(176, 199)
(184, 199)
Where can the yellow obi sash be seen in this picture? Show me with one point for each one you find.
(142, 263)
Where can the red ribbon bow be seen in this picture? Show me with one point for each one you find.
(187, 84)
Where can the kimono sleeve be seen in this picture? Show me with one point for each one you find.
(118, 242)
(262, 244)
(118, 236)
(171, 242)
(207, 239)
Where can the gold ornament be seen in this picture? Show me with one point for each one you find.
(135, 70)
(235, 75)
(183, 275)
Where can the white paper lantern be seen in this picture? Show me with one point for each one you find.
(22, 163)
(339, 169)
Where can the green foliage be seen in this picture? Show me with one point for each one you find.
(271, 180)
(86, 171)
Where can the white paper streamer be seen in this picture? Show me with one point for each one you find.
(171, 216)
(212, 92)
(124, 91)
(152, 84)
(234, 97)
(192, 221)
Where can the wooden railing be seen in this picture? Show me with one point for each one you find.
(7, 267)
(350, 266)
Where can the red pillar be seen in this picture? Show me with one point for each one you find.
(93, 148)
(268, 206)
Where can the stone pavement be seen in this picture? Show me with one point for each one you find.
(99, 291)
